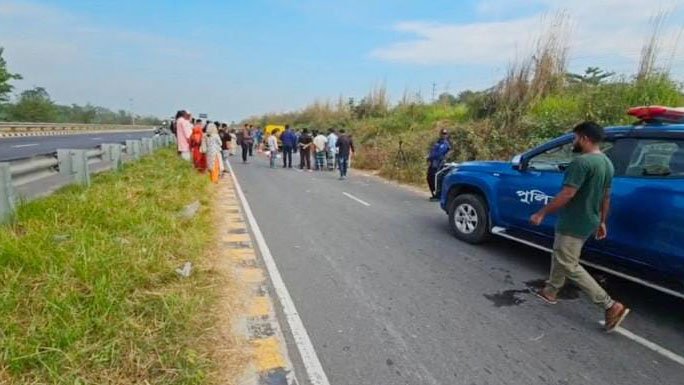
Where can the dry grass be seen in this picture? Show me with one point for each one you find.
(534, 77)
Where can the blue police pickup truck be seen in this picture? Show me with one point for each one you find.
(645, 240)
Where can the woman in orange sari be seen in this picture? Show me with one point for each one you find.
(214, 157)
(199, 159)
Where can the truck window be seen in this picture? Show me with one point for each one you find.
(657, 158)
(558, 158)
(553, 159)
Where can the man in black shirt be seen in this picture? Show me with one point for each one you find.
(345, 148)
(305, 143)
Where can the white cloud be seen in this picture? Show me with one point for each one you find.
(608, 31)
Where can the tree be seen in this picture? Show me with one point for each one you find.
(592, 76)
(5, 78)
(446, 99)
(34, 105)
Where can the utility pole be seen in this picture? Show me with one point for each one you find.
(434, 87)
(130, 110)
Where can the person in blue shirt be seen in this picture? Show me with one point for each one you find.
(436, 160)
(289, 141)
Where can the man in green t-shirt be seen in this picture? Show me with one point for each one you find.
(582, 207)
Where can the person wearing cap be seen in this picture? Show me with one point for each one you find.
(436, 160)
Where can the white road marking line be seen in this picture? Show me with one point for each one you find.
(95, 138)
(313, 366)
(356, 199)
(651, 345)
(25, 145)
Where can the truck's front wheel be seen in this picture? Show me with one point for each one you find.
(468, 218)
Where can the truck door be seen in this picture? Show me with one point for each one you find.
(523, 192)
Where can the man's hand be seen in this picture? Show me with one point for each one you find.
(537, 218)
(602, 232)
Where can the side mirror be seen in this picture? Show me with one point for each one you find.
(516, 162)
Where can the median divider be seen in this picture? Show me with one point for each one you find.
(30, 178)
(22, 129)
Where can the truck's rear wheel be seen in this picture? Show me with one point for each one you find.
(469, 218)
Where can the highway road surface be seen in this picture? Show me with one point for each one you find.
(22, 147)
(389, 296)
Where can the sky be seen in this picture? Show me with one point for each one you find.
(232, 59)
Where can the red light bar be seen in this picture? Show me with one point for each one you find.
(658, 113)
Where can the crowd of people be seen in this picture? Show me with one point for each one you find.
(330, 152)
(208, 145)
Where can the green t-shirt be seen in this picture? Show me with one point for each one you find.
(591, 174)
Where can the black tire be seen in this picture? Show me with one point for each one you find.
(469, 228)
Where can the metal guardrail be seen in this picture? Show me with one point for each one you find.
(30, 126)
(40, 175)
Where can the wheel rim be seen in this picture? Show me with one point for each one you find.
(465, 218)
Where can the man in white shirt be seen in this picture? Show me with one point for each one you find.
(183, 133)
(272, 142)
(332, 150)
(320, 143)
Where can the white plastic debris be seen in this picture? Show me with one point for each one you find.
(185, 270)
(190, 210)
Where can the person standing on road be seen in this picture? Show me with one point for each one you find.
(259, 137)
(582, 207)
(183, 133)
(253, 135)
(305, 143)
(233, 142)
(213, 152)
(332, 150)
(247, 142)
(272, 143)
(320, 143)
(297, 135)
(226, 140)
(198, 146)
(345, 149)
(436, 160)
(289, 141)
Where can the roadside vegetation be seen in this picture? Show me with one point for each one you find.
(90, 292)
(538, 99)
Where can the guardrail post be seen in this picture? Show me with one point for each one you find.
(79, 163)
(147, 146)
(106, 151)
(111, 152)
(6, 193)
(64, 159)
(133, 148)
(116, 159)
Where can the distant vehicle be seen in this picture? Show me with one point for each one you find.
(646, 223)
(277, 129)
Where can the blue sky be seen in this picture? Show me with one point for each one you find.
(232, 59)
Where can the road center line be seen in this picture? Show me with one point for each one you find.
(356, 199)
(650, 345)
(95, 138)
(312, 364)
(25, 145)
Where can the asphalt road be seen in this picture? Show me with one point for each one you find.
(23, 147)
(389, 296)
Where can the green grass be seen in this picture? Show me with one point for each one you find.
(89, 292)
